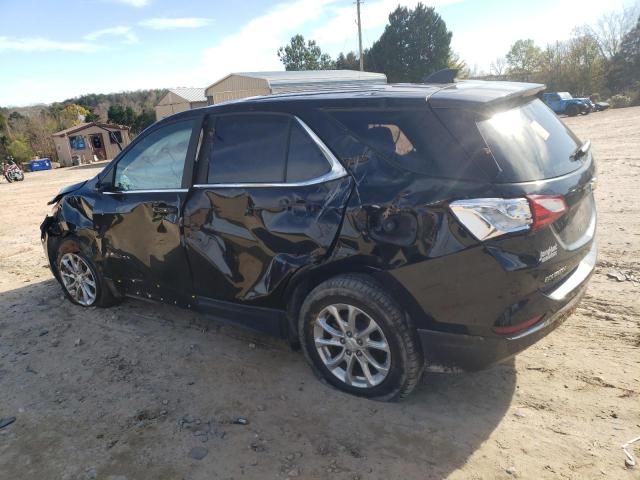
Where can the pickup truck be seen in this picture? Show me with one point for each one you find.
(564, 103)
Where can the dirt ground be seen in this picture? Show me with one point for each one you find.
(145, 391)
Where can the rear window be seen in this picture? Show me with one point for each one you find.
(529, 142)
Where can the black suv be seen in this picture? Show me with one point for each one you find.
(380, 229)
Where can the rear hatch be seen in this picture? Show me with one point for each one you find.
(527, 152)
(530, 144)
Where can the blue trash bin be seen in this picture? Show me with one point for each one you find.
(40, 164)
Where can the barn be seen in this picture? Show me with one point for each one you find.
(249, 84)
(180, 99)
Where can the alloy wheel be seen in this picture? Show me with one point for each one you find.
(352, 345)
(78, 279)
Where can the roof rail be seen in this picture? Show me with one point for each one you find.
(447, 75)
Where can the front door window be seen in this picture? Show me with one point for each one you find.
(157, 161)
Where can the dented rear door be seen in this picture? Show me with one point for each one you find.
(270, 199)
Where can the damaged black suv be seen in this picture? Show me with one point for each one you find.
(380, 229)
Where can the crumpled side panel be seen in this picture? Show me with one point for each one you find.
(243, 243)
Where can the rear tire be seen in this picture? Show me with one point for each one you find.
(8, 177)
(82, 282)
(357, 338)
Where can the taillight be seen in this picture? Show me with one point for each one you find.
(491, 217)
(546, 209)
(487, 218)
(511, 329)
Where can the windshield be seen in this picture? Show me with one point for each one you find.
(529, 142)
(565, 95)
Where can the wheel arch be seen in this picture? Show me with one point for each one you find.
(304, 281)
(80, 238)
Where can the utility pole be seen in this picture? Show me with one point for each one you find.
(360, 36)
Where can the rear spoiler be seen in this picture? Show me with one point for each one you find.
(485, 96)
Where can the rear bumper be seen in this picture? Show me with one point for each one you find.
(471, 352)
(474, 352)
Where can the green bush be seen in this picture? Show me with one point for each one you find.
(20, 150)
(619, 101)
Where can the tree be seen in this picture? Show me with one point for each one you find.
(553, 68)
(585, 64)
(498, 67)
(38, 135)
(456, 63)
(611, 28)
(92, 116)
(300, 56)
(5, 139)
(350, 61)
(414, 44)
(121, 115)
(142, 121)
(20, 151)
(624, 71)
(523, 59)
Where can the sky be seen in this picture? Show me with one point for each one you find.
(54, 50)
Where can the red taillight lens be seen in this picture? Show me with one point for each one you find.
(511, 329)
(546, 209)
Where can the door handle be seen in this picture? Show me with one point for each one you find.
(297, 206)
(163, 209)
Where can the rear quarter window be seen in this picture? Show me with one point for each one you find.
(414, 140)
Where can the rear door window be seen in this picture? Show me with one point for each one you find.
(261, 148)
(530, 142)
(248, 148)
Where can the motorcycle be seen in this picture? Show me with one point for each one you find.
(11, 171)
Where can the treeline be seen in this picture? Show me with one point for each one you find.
(138, 102)
(26, 132)
(600, 60)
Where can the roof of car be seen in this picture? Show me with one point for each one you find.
(372, 91)
(467, 92)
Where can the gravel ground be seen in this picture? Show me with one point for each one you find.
(145, 391)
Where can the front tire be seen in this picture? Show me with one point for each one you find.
(573, 110)
(356, 338)
(82, 282)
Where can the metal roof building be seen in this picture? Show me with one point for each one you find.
(250, 84)
(180, 99)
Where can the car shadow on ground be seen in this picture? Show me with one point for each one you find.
(141, 357)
